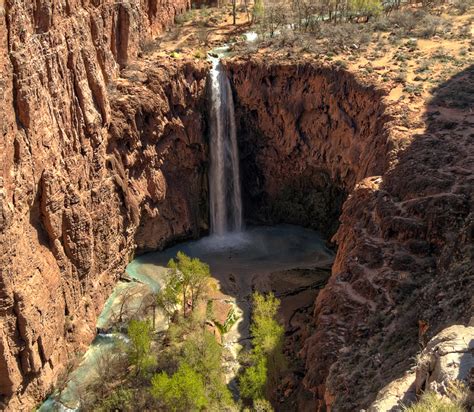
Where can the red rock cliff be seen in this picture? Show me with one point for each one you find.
(90, 167)
(405, 243)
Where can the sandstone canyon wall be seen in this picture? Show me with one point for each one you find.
(307, 135)
(102, 155)
(405, 243)
(92, 166)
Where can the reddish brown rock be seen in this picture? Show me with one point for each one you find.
(405, 238)
(86, 172)
(308, 135)
(94, 166)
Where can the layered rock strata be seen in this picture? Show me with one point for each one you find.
(95, 166)
(405, 241)
(92, 167)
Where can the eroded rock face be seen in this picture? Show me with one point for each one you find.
(406, 234)
(307, 136)
(445, 367)
(91, 167)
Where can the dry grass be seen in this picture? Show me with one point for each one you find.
(431, 402)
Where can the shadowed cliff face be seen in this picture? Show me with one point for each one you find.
(90, 168)
(307, 135)
(405, 239)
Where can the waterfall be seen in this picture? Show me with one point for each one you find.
(224, 176)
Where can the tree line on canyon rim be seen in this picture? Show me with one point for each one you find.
(182, 368)
(307, 15)
(327, 27)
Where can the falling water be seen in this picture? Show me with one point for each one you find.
(224, 179)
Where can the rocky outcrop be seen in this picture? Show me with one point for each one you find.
(447, 358)
(445, 367)
(92, 165)
(405, 241)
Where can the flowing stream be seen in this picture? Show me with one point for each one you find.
(224, 177)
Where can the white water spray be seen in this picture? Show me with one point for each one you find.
(224, 175)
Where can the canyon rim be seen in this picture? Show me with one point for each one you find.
(104, 155)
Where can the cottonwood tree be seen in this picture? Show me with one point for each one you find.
(202, 353)
(190, 277)
(183, 391)
(168, 296)
(194, 355)
(364, 8)
(140, 334)
(266, 358)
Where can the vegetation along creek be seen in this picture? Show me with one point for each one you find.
(237, 205)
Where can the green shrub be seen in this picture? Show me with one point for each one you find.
(183, 391)
(189, 343)
(204, 355)
(262, 405)
(119, 400)
(266, 358)
(140, 334)
(366, 8)
(254, 380)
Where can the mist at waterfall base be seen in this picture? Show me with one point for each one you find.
(260, 249)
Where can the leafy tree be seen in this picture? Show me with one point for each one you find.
(121, 399)
(267, 359)
(202, 352)
(193, 275)
(252, 383)
(367, 8)
(183, 391)
(168, 296)
(140, 334)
